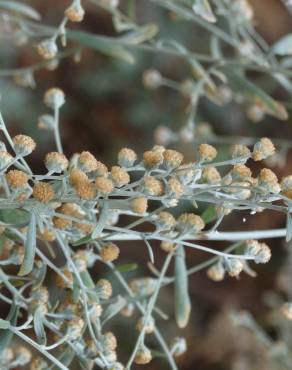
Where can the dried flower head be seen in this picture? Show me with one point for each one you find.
(143, 356)
(104, 289)
(43, 192)
(54, 98)
(5, 159)
(86, 190)
(259, 251)
(216, 272)
(178, 346)
(87, 162)
(165, 220)
(127, 157)
(148, 326)
(286, 186)
(56, 162)
(119, 176)
(109, 252)
(17, 179)
(104, 185)
(189, 222)
(167, 246)
(153, 186)
(152, 79)
(139, 205)
(152, 158)
(77, 177)
(211, 176)
(23, 145)
(61, 282)
(75, 328)
(263, 149)
(75, 12)
(240, 152)
(234, 267)
(207, 152)
(47, 49)
(269, 181)
(172, 158)
(109, 341)
(241, 172)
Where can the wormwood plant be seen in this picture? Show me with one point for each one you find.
(67, 221)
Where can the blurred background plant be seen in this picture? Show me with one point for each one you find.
(176, 73)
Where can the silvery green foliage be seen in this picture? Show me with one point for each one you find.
(72, 213)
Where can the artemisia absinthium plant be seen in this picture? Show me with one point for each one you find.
(73, 211)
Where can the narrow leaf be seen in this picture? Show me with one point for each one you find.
(283, 46)
(209, 214)
(15, 217)
(250, 91)
(141, 34)
(204, 10)
(20, 8)
(105, 45)
(288, 227)
(6, 335)
(182, 300)
(30, 247)
(101, 221)
(39, 326)
(127, 267)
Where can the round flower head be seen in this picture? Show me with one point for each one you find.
(61, 223)
(259, 251)
(189, 222)
(211, 175)
(256, 113)
(104, 185)
(47, 235)
(286, 310)
(46, 122)
(77, 177)
(163, 135)
(17, 179)
(95, 311)
(234, 267)
(139, 205)
(23, 145)
(143, 356)
(109, 341)
(152, 158)
(153, 186)
(56, 162)
(43, 192)
(207, 152)
(62, 283)
(178, 346)
(269, 181)
(109, 252)
(75, 12)
(86, 190)
(167, 247)
(148, 325)
(286, 186)
(152, 79)
(263, 149)
(165, 221)
(117, 366)
(47, 49)
(143, 286)
(172, 158)
(104, 289)
(87, 162)
(126, 157)
(174, 188)
(120, 176)
(216, 272)
(54, 98)
(75, 328)
(5, 159)
(240, 152)
(241, 172)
